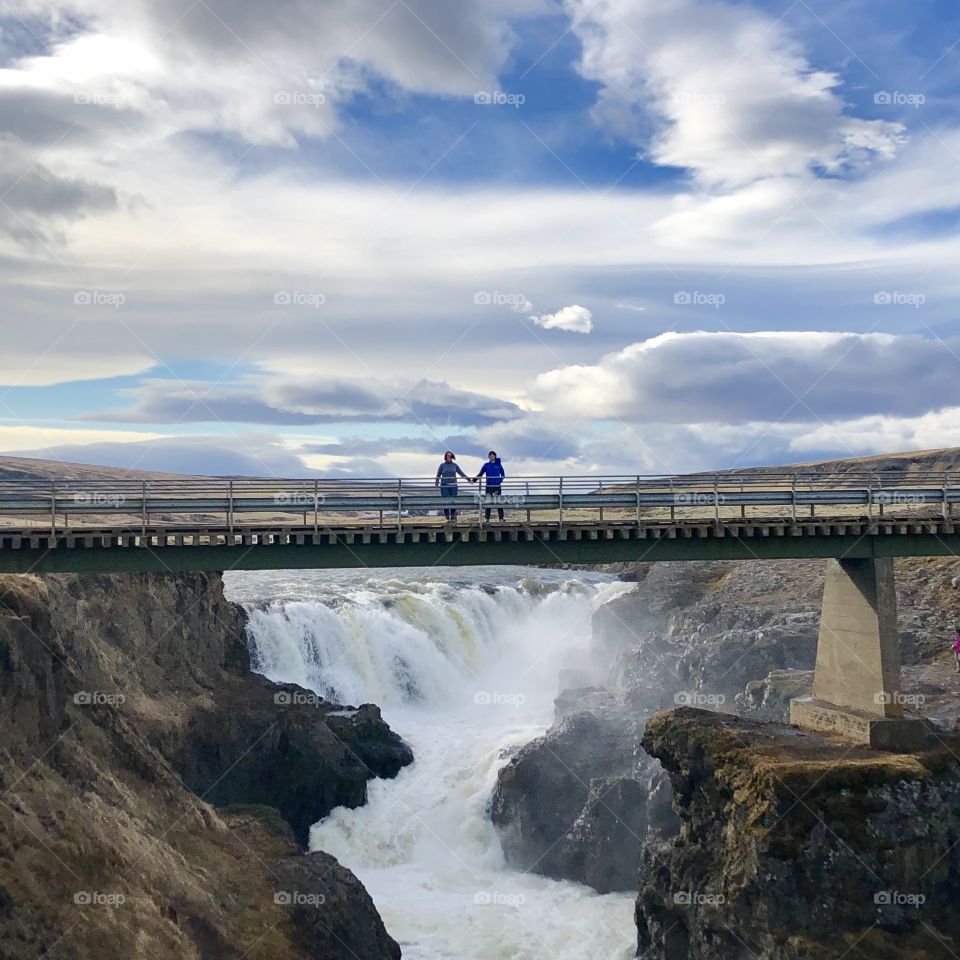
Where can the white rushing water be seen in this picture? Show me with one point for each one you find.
(465, 667)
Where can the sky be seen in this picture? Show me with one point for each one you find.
(318, 238)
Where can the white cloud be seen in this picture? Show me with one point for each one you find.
(307, 400)
(573, 319)
(23, 368)
(267, 73)
(200, 241)
(240, 454)
(733, 98)
(728, 377)
(39, 439)
(883, 434)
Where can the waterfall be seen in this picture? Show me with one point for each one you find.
(465, 667)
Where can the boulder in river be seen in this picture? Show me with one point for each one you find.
(579, 802)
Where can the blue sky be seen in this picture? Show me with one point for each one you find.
(611, 237)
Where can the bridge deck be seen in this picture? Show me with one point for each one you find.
(216, 524)
(298, 547)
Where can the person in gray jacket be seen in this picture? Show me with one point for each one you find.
(447, 474)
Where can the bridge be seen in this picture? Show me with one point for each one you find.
(857, 522)
(51, 526)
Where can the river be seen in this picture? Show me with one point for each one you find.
(464, 664)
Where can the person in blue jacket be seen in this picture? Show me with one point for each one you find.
(495, 474)
(447, 474)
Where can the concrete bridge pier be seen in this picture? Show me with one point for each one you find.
(856, 685)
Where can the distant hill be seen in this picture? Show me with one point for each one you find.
(914, 461)
(28, 468)
(917, 461)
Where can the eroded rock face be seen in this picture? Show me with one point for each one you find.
(792, 846)
(304, 758)
(333, 916)
(709, 628)
(579, 802)
(125, 707)
(769, 698)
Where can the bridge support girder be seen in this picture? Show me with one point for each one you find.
(856, 685)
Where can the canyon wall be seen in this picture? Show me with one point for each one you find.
(156, 794)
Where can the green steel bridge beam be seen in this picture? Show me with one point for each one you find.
(537, 551)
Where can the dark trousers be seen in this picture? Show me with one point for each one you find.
(449, 491)
(494, 492)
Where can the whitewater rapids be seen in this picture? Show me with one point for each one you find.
(465, 667)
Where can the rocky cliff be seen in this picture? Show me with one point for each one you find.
(794, 846)
(734, 637)
(702, 631)
(582, 801)
(153, 791)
